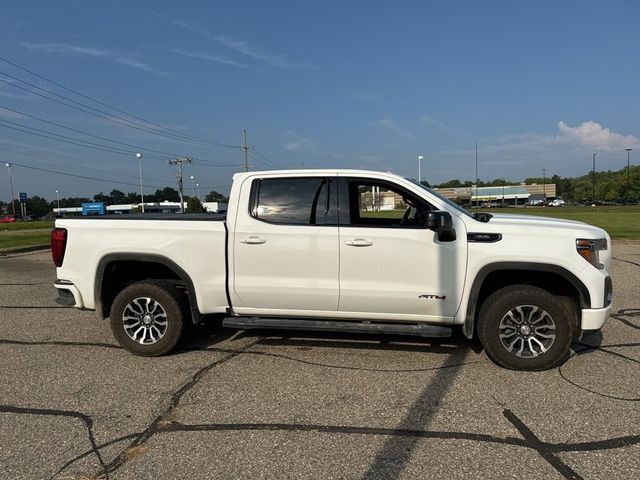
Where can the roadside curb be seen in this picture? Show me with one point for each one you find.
(33, 248)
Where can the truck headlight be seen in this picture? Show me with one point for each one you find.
(589, 250)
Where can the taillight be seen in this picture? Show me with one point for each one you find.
(58, 245)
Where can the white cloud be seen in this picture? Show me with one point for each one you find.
(177, 21)
(393, 127)
(125, 58)
(298, 143)
(4, 113)
(566, 152)
(209, 57)
(276, 60)
(592, 134)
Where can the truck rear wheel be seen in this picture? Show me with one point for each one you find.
(523, 327)
(146, 318)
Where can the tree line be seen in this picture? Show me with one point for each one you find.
(39, 206)
(610, 186)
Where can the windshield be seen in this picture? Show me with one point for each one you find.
(449, 202)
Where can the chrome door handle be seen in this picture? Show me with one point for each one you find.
(359, 242)
(253, 240)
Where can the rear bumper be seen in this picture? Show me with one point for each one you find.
(593, 318)
(68, 294)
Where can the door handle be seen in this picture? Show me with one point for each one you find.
(253, 240)
(359, 242)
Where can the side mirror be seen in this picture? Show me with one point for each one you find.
(440, 222)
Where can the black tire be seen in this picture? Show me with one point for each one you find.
(169, 317)
(532, 347)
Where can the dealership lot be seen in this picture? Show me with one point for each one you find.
(263, 404)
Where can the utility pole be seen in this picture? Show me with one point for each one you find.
(593, 188)
(628, 150)
(180, 170)
(245, 149)
(544, 185)
(477, 181)
(13, 198)
(139, 157)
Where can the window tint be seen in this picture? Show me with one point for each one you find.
(296, 201)
(381, 205)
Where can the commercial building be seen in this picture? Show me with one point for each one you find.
(508, 194)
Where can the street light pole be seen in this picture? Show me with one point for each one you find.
(477, 181)
(193, 188)
(198, 188)
(420, 157)
(58, 198)
(628, 150)
(13, 197)
(139, 157)
(544, 185)
(593, 188)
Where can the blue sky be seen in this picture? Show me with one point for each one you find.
(331, 84)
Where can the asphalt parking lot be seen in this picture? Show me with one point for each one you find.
(259, 404)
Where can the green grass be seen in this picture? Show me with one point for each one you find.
(44, 224)
(619, 222)
(622, 222)
(24, 238)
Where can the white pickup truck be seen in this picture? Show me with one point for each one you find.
(341, 250)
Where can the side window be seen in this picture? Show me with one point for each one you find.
(378, 204)
(295, 201)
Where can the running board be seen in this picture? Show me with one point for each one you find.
(420, 330)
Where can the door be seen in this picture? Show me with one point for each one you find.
(391, 266)
(285, 253)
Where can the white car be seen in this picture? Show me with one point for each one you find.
(307, 250)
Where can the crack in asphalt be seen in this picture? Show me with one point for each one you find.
(232, 351)
(45, 307)
(153, 427)
(626, 261)
(163, 423)
(86, 419)
(528, 439)
(629, 312)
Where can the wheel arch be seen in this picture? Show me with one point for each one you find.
(148, 266)
(489, 279)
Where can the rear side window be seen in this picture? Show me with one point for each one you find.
(295, 201)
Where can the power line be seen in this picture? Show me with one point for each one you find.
(163, 127)
(103, 115)
(74, 141)
(80, 176)
(137, 147)
(261, 155)
(75, 165)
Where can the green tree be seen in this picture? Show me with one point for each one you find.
(168, 194)
(214, 196)
(194, 206)
(101, 197)
(117, 197)
(37, 206)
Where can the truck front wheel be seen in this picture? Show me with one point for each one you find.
(523, 327)
(146, 318)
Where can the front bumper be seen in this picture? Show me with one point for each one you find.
(593, 318)
(68, 294)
